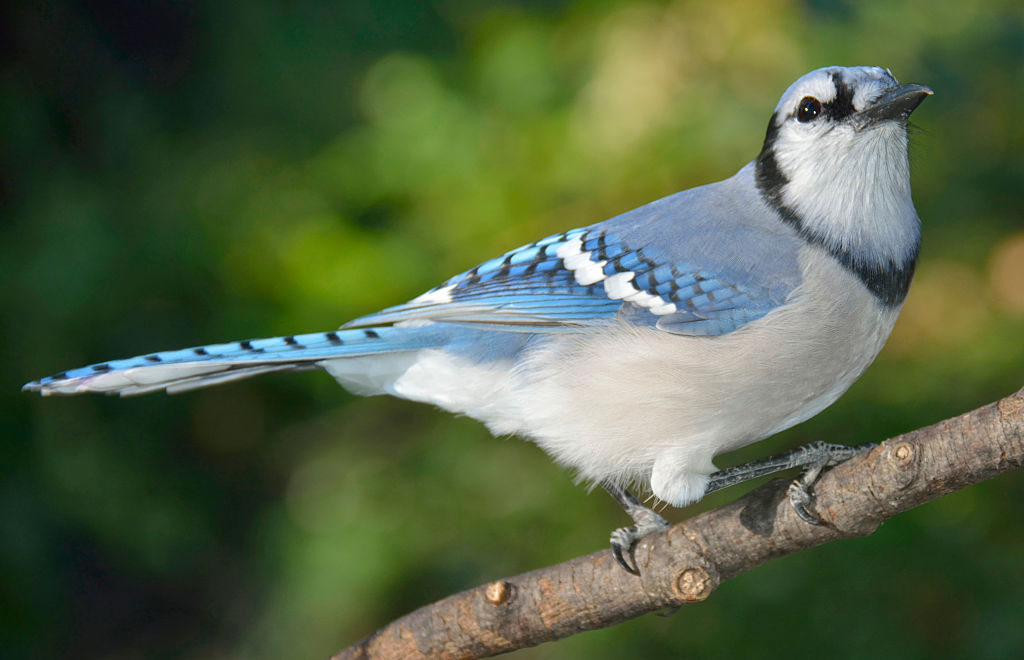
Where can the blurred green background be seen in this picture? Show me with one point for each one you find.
(179, 173)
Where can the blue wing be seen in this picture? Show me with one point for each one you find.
(583, 277)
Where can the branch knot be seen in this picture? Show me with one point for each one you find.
(693, 584)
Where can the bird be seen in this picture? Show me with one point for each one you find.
(635, 350)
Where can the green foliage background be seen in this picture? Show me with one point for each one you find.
(178, 173)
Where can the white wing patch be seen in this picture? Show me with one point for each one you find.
(618, 286)
(441, 296)
(585, 270)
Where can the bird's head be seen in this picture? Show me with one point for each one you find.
(834, 163)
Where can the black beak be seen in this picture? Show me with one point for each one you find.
(897, 103)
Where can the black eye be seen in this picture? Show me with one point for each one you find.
(808, 109)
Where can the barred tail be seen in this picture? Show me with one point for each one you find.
(192, 368)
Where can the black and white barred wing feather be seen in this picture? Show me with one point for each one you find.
(585, 277)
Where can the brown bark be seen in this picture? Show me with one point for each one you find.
(688, 561)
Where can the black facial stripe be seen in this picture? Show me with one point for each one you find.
(770, 179)
(888, 282)
(842, 105)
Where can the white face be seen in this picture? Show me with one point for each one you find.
(841, 170)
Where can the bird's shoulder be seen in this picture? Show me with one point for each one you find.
(724, 227)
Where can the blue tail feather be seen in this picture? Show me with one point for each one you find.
(189, 368)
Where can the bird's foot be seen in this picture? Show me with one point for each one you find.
(819, 456)
(623, 539)
(800, 498)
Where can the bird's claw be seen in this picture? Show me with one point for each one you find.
(800, 499)
(623, 540)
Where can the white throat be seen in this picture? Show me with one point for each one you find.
(851, 190)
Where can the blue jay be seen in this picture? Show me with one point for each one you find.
(637, 349)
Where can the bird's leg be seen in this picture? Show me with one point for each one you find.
(813, 457)
(645, 522)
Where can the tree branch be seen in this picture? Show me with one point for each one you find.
(687, 562)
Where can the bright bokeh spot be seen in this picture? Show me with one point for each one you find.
(947, 306)
(1006, 275)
